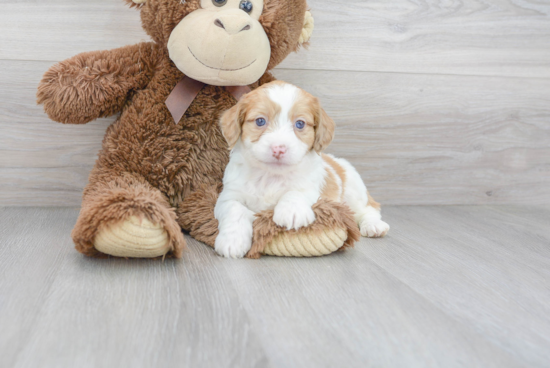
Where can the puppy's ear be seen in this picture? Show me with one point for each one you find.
(230, 123)
(324, 130)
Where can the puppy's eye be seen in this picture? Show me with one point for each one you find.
(260, 122)
(246, 6)
(300, 124)
(219, 2)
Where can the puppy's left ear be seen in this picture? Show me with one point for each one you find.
(324, 130)
(230, 123)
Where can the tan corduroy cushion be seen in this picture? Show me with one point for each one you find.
(133, 238)
(306, 244)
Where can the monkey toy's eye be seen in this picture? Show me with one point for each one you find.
(260, 122)
(246, 5)
(300, 124)
(219, 2)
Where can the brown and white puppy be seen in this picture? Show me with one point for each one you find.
(277, 134)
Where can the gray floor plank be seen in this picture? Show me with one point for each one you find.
(142, 314)
(474, 271)
(516, 234)
(124, 313)
(449, 287)
(345, 310)
(532, 220)
(30, 256)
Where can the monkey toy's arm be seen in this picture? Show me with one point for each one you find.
(96, 84)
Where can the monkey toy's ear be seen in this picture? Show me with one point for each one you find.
(307, 30)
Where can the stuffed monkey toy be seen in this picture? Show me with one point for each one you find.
(162, 162)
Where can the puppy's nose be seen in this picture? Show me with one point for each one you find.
(278, 151)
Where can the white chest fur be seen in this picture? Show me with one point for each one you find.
(261, 189)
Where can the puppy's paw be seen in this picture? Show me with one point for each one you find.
(293, 215)
(374, 229)
(234, 243)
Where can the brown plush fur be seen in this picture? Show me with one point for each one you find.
(149, 164)
(196, 214)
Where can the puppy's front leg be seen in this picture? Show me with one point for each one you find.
(235, 225)
(294, 211)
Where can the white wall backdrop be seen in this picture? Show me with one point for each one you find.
(436, 102)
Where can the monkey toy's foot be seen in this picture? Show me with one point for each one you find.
(133, 237)
(127, 217)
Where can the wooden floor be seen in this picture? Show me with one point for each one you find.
(449, 286)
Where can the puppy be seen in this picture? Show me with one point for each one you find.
(277, 133)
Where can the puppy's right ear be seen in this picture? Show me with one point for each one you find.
(231, 125)
(324, 129)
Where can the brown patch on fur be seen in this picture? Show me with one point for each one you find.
(305, 109)
(340, 171)
(252, 132)
(308, 108)
(258, 105)
(306, 135)
(324, 130)
(231, 126)
(373, 203)
(331, 189)
(240, 120)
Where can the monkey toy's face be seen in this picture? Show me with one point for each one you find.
(225, 42)
(222, 43)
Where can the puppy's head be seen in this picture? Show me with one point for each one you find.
(278, 124)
